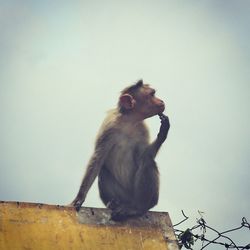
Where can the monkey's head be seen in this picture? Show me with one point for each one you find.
(139, 99)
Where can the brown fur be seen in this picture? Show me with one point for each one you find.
(123, 159)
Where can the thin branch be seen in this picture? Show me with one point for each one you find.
(186, 218)
(186, 237)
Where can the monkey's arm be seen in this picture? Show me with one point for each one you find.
(162, 135)
(103, 147)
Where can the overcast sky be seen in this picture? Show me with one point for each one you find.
(63, 64)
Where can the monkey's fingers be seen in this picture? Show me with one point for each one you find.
(77, 204)
(163, 117)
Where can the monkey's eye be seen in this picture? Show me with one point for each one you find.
(152, 93)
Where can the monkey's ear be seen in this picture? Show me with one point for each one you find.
(127, 101)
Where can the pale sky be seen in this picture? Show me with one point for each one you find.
(62, 66)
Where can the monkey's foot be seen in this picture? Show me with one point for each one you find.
(118, 216)
(122, 213)
(113, 204)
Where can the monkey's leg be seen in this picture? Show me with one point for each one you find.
(115, 197)
(125, 204)
(146, 184)
(110, 190)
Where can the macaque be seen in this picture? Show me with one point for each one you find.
(124, 159)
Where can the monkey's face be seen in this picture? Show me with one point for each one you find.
(148, 104)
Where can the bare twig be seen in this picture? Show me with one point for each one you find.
(187, 237)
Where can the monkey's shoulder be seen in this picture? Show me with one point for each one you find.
(116, 130)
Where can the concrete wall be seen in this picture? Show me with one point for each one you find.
(39, 226)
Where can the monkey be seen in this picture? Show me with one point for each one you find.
(124, 159)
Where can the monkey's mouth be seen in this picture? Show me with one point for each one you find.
(162, 107)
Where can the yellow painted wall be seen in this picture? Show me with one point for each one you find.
(33, 226)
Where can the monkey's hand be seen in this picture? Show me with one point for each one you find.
(77, 202)
(165, 125)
